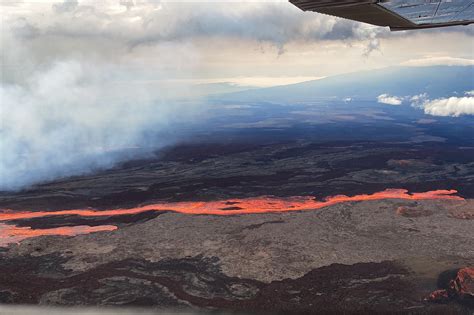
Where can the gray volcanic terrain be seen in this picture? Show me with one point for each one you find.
(247, 215)
(347, 257)
(370, 255)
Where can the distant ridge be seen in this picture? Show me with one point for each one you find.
(436, 81)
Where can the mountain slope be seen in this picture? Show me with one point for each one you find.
(438, 81)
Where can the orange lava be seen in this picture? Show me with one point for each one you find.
(13, 234)
(240, 206)
(223, 207)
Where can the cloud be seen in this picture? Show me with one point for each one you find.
(66, 6)
(373, 44)
(452, 106)
(419, 100)
(470, 93)
(438, 61)
(137, 23)
(390, 100)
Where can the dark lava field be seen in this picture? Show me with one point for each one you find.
(144, 233)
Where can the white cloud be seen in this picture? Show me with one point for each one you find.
(390, 100)
(418, 100)
(259, 81)
(227, 39)
(470, 93)
(449, 106)
(147, 23)
(438, 61)
(452, 106)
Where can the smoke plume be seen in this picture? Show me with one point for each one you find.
(71, 118)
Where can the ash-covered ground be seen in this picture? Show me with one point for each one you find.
(370, 255)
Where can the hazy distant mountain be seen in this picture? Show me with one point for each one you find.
(220, 88)
(436, 81)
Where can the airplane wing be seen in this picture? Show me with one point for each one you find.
(397, 14)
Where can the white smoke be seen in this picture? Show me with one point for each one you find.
(71, 118)
(82, 81)
(74, 103)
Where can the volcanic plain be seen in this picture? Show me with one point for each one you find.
(282, 237)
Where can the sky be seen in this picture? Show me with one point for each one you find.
(84, 79)
(259, 43)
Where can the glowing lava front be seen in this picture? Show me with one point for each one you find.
(223, 208)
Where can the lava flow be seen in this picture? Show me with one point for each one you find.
(13, 234)
(223, 208)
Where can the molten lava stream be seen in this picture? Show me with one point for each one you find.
(13, 234)
(239, 206)
(223, 208)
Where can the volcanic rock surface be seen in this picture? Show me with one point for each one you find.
(359, 255)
